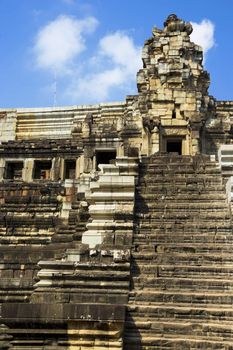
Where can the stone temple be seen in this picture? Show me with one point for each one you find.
(116, 218)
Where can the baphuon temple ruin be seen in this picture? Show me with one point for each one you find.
(116, 223)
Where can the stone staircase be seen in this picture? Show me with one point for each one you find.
(82, 292)
(71, 230)
(182, 262)
(31, 230)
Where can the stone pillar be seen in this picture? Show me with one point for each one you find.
(195, 142)
(2, 168)
(145, 148)
(62, 169)
(79, 166)
(56, 169)
(27, 173)
(154, 140)
(8, 125)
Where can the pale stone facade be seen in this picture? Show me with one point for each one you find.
(115, 223)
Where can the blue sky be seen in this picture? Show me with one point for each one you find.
(92, 48)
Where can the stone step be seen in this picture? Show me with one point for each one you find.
(145, 257)
(27, 235)
(28, 208)
(180, 312)
(151, 274)
(83, 293)
(176, 191)
(181, 190)
(25, 231)
(180, 182)
(179, 167)
(182, 197)
(24, 240)
(199, 216)
(17, 220)
(168, 159)
(179, 178)
(81, 266)
(171, 328)
(35, 340)
(91, 284)
(174, 169)
(177, 222)
(12, 298)
(91, 274)
(172, 157)
(64, 231)
(134, 341)
(146, 237)
(192, 227)
(62, 238)
(155, 167)
(174, 188)
(192, 209)
(196, 248)
(168, 270)
(15, 283)
(176, 284)
(209, 298)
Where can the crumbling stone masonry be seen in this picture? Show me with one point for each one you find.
(116, 219)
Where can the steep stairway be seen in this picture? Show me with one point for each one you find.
(182, 271)
(32, 230)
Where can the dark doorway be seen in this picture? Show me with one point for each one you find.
(14, 170)
(42, 169)
(105, 157)
(70, 168)
(174, 146)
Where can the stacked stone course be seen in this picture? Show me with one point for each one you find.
(182, 260)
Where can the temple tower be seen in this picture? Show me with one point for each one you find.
(173, 91)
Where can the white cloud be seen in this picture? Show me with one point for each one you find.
(118, 60)
(203, 35)
(111, 69)
(61, 41)
(121, 50)
(96, 86)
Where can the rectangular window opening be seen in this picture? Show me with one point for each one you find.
(105, 157)
(13, 170)
(174, 146)
(173, 114)
(42, 169)
(70, 169)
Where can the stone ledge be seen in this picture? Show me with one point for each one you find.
(57, 313)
